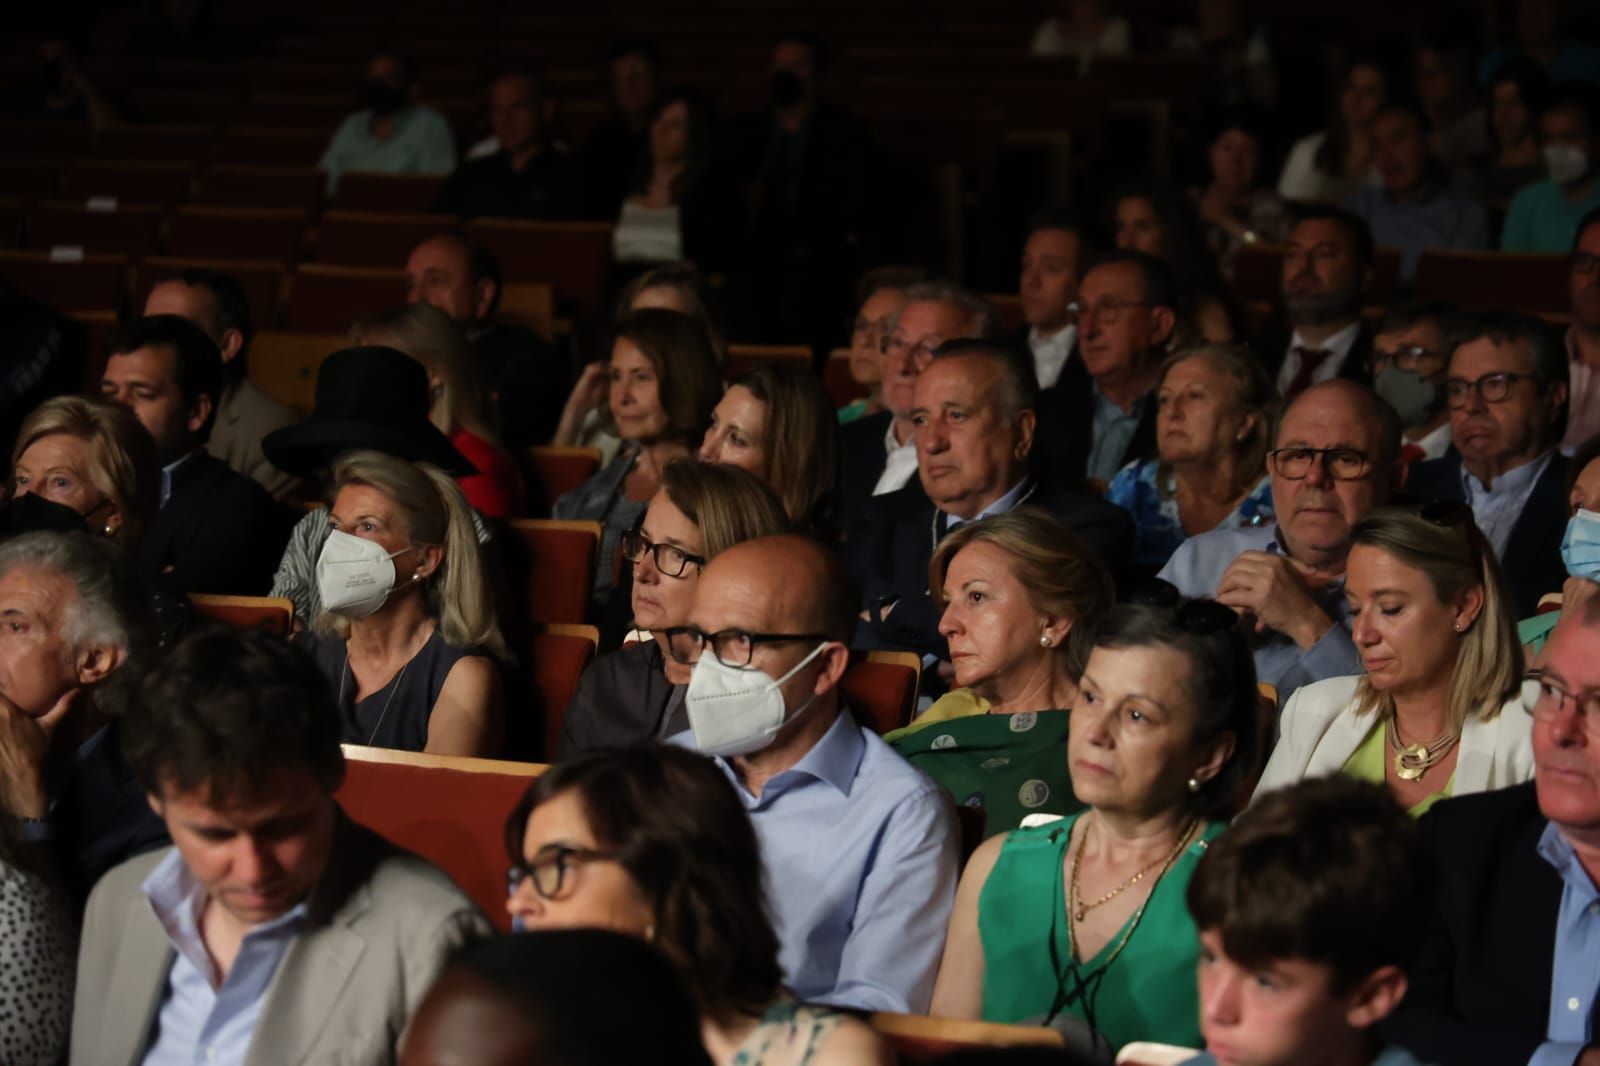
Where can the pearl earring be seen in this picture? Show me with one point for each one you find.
(1194, 785)
(1044, 641)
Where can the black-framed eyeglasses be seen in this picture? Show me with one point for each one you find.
(1406, 357)
(732, 647)
(1584, 262)
(1342, 464)
(670, 559)
(1543, 697)
(548, 869)
(1109, 311)
(1197, 616)
(921, 352)
(1492, 388)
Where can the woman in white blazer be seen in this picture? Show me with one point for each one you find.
(1436, 714)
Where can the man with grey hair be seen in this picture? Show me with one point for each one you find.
(877, 455)
(973, 414)
(73, 617)
(1336, 457)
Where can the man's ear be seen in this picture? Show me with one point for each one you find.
(1026, 423)
(199, 413)
(484, 294)
(1376, 997)
(1163, 320)
(835, 660)
(1556, 399)
(96, 662)
(232, 344)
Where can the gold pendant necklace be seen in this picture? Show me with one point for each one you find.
(1080, 909)
(1411, 761)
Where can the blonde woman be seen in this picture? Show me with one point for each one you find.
(91, 457)
(408, 635)
(1432, 620)
(459, 407)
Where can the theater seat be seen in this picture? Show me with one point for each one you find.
(156, 143)
(1145, 1053)
(261, 186)
(92, 283)
(1258, 275)
(557, 657)
(356, 238)
(44, 140)
(126, 229)
(743, 358)
(30, 179)
(571, 257)
(130, 182)
(248, 146)
(263, 282)
(882, 689)
(842, 388)
(916, 1038)
(562, 469)
(449, 810)
(556, 559)
(330, 299)
(1009, 307)
(271, 613)
(262, 234)
(1494, 281)
(395, 193)
(284, 365)
(528, 303)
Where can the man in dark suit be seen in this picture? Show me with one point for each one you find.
(61, 770)
(1506, 387)
(876, 455)
(217, 531)
(975, 413)
(1101, 415)
(1508, 973)
(1327, 269)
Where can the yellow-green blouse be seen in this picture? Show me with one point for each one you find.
(1366, 764)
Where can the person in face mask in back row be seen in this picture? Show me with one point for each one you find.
(408, 636)
(1409, 357)
(1544, 216)
(392, 133)
(1580, 549)
(860, 909)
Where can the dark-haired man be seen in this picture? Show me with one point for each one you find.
(1101, 415)
(217, 303)
(218, 531)
(528, 378)
(1052, 251)
(611, 152)
(392, 133)
(860, 909)
(1327, 268)
(530, 176)
(1507, 392)
(1544, 216)
(275, 929)
(1410, 355)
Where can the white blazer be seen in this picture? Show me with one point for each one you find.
(1318, 731)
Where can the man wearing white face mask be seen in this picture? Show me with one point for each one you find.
(1544, 216)
(861, 850)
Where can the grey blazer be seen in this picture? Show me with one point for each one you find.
(245, 415)
(382, 922)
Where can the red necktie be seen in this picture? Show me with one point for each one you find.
(1310, 359)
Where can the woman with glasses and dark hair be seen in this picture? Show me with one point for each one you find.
(635, 694)
(1215, 408)
(654, 842)
(1431, 618)
(1080, 923)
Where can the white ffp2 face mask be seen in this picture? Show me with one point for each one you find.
(1565, 163)
(736, 710)
(354, 575)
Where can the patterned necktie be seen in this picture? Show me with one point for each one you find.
(1310, 359)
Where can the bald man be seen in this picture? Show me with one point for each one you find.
(1335, 459)
(861, 850)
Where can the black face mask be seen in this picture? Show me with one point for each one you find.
(32, 513)
(381, 98)
(788, 88)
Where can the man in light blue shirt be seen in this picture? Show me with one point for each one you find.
(392, 134)
(1336, 458)
(861, 851)
(275, 930)
(1544, 216)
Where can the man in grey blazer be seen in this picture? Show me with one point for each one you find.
(1335, 457)
(276, 930)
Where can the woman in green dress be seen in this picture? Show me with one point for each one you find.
(1081, 923)
(1020, 594)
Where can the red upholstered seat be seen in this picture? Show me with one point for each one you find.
(1491, 281)
(355, 238)
(571, 257)
(329, 299)
(557, 562)
(842, 388)
(557, 658)
(261, 186)
(262, 234)
(562, 469)
(389, 192)
(449, 811)
(157, 143)
(262, 281)
(272, 613)
(127, 229)
(93, 283)
(164, 184)
(882, 693)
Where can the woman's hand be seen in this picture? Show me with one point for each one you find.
(587, 395)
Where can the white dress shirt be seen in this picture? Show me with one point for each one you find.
(1339, 344)
(1050, 353)
(900, 465)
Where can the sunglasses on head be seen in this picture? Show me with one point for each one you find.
(1198, 616)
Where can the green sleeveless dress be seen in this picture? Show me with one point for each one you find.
(1148, 990)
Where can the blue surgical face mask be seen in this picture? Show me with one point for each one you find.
(1580, 548)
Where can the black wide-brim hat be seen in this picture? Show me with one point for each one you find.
(367, 398)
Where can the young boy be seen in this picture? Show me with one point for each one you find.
(1312, 908)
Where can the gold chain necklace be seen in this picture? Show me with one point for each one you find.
(1080, 909)
(1411, 761)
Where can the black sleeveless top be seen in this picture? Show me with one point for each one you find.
(395, 716)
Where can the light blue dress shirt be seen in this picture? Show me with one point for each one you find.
(1140, 490)
(1113, 432)
(1575, 978)
(1199, 563)
(201, 1022)
(1015, 496)
(1497, 509)
(862, 853)
(421, 144)
(1436, 218)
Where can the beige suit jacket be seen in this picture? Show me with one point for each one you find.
(380, 927)
(245, 416)
(1319, 730)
